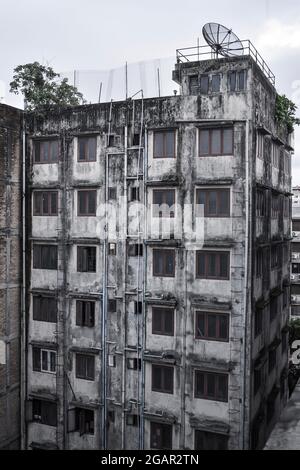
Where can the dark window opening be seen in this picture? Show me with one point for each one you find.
(216, 83)
(160, 436)
(134, 363)
(87, 202)
(135, 249)
(46, 151)
(257, 380)
(212, 326)
(112, 305)
(216, 142)
(204, 84)
(44, 256)
(162, 379)
(163, 321)
(258, 321)
(210, 441)
(84, 421)
(45, 203)
(112, 193)
(85, 367)
(44, 309)
(85, 313)
(138, 307)
(132, 420)
(211, 386)
(274, 306)
(163, 263)
(272, 359)
(163, 203)
(136, 140)
(164, 144)
(112, 249)
(44, 412)
(216, 202)
(86, 259)
(43, 360)
(135, 194)
(212, 265)
(87, 149)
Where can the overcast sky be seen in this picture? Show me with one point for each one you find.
(104, 34)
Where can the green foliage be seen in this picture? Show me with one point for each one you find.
(294, 333)
(41, 87)
(285, 111)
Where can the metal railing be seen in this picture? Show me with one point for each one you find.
(197, 53)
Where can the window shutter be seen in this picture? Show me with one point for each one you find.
(79, 313)
(36, 359)
(37, 152)
(72, 420)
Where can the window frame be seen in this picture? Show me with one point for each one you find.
(87, 318)
(218, 316)
(50, 143)
(210, 131)
(86, 150)
(81, 247)
(87, 193)
(164, 132)
(162, 388)
(216, 375)
(36, 298)
(154, 425)
(37, 256)
(164, 191)
(163, 331)
(48, 194)
(219, 192)
(161, 252)
(85, 357)
(218, 264)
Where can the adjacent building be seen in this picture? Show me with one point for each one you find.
(10, 275)
(295, 248)
(170, 331)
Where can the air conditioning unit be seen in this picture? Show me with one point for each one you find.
(293, 298)
(292, 277)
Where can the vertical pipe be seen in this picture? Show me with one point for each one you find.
(126, 81)
(158, 81)
(23, 305)
(100, 91)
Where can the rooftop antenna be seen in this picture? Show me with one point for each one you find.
(222, 40)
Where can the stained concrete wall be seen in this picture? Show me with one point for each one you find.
(10, 275)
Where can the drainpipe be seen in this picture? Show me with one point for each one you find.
(246, 277)
(23, 299)
(124, 286)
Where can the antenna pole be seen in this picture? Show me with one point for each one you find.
(126, 81)
(198, 49)
(100, 91)
(158, 82)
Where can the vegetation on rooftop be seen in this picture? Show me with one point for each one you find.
(42, 87)
(285, 111)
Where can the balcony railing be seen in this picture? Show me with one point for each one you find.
(197, 53)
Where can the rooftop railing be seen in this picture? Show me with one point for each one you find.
(244, 48)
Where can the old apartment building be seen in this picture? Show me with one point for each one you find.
(148, 337)
(10, 275)
(157, 266)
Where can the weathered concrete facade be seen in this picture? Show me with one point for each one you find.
(122, 344)
(295, 249)
(10, 275)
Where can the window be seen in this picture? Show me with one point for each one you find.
(86, 259)
(194, 85)
(45, 203)
(237, 81)
(112, 193)
(162, 379)
(286, 207)
(212, 326)
(46, 151)
(112, 249)
(296, 268)
(44, 412)
(272, 359)
(136, 140)
(204, 82)
(296, 225)
(164, 144)
(216, 202)
(163, 321)
(44, 256)
(275, 155)
(211, 386)
(160, 436)
(135, 249)
(87, 149)
(84, 421)
(163, 263)
(260, 203)
(260, 145)
(138, 307)
(44, 309)
(258, 321)
(111, 140)
(216, 83)
(212, 265)
(259, 263)
(87, 202)
(85, 367)
(135, 194)
(134, 363)
(85, 313)
(213, 142)
(274, 304)
(132, 420)
(112, 305)
(274, 257)
(210, 441)
(163, 203)
(111, 360)
(43, 360)
(275, 207)
(257, 379)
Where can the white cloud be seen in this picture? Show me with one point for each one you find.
(277, 35)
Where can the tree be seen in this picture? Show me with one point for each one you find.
(285, 112)
(41, 87)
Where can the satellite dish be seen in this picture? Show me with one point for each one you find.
(222, 40)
